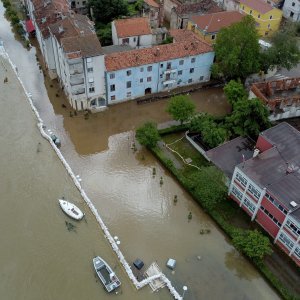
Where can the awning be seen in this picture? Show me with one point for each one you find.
(29, 26)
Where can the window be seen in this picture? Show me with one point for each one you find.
(297, 252)
(243, 7)
(128, 94)
(169, 65)
(112, 98)
(201, 78)
(250, 12)
(92, 90)
(161, 76)
(90, 70)
(291, 14)
(285, 240)
(280, 207)
(125, 41)
(141, 80)
(149, 68)
(237, 193)
(191, 70)
(255, 192)
(128, 72)
(271, 17)
(293, 227)
(269, 25)
(112, 75)
(190, 80)
(193, 60)
(128, 84)
(249, 205)
(271, 216)
(142, 69)
(293, 3)
(242, 180)
(161, 65)
(89, 60)
(112, 88)
(180, 72)
(181, 62)
(134, 39)
(258, 16)
(149, 79)
(213, 36)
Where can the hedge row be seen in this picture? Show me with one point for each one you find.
(229, 229)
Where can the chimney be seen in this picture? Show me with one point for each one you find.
(256, 152)
(157, 51)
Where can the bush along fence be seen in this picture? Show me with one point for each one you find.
(240, 237)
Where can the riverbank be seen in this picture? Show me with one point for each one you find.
(225, 213)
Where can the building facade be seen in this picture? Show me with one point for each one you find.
(267, 187)
(136, 73)
(266, 16)
(291, 10)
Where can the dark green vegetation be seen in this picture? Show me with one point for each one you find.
(12, 14)
(208, 189)
(148, 135)
(238, 53)
(181, 108)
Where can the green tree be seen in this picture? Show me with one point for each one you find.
(249, 117)
(104, 11)
(237, 51)
(234, 91)
(181, 108)
(212, 134)
(251, 242)
(284, 52)
(104, 34)
(148, 135)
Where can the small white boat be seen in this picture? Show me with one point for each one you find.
(106, 274)
(71, 209)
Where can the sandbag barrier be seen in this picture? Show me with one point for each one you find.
(41, 126)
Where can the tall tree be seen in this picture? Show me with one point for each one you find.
(249, 117)
(181, 108)
(104, 11)
(237, 51)
(147, 135)
(234, 91)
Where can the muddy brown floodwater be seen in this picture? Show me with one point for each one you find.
(132, 203)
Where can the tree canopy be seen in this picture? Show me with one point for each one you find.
(181, 108)
(104, 11)
(252, 243)
(237, 51)
(249, 117)
(234, 91)
(147, 135)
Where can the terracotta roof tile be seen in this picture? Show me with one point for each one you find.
(215, 22)
(192, 45)
(152, 3)
(132, 27)
(258, 5)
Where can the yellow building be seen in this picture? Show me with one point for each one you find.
(208, 26)
(267, 17)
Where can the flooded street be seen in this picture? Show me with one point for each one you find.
(45, 261)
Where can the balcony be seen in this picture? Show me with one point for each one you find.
(76, 80)
(76, 71)
(78, 90)
(170, 71)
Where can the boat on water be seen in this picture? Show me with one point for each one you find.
(71, 209)
(106, 274)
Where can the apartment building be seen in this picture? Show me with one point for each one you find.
(136, 73)
(267, 186)
(291, 10)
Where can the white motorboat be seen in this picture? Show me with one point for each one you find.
(71, 209)
(106, 274)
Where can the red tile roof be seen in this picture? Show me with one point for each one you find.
(215, 22)
(192, 45)
(132, 27)
(152, 3)
(258, 5)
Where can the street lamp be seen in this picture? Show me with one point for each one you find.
(184, 290)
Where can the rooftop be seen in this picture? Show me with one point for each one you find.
(192, 45)
(87, 45)
(115, 49)
(132, 27)
(204, 6)
(216, 21)
(258, 5)
(278, 168)
(152, 3)
(230, 154)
